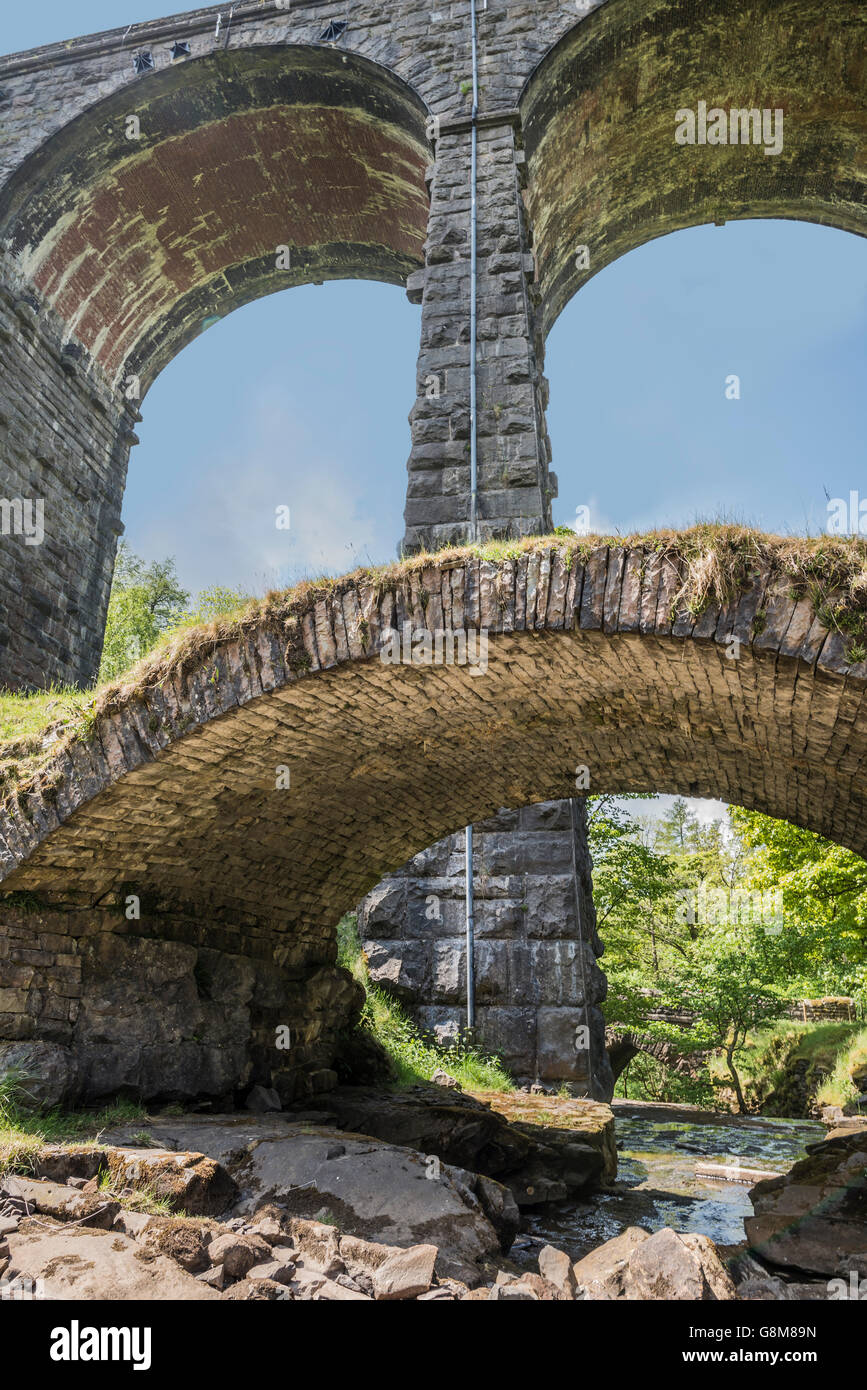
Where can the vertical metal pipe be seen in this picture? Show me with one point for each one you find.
(573, 816)
(474, 474)
(471, 973)
(474, 145)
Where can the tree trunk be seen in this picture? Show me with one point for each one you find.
(742, 1105)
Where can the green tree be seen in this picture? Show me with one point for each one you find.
(145, 602)
(211, 604)
(823, 946)
(724, 987)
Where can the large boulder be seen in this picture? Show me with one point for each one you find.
(815, 1216)
(499, 1135)
(669, 1265)
(382, 1192)
(188, 1182)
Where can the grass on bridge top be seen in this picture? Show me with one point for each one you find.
(715, 559)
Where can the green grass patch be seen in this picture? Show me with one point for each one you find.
(25, 1130)
(839, 1087)
(140, 1197)
(413, 1058)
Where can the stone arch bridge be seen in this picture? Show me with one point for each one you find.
(150, 175)
(245, 794)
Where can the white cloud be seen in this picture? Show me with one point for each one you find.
(223, 529)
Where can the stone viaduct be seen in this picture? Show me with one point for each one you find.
(148, 177)
(154, 178)
(173, 797)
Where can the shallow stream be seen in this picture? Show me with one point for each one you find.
(657, 1186)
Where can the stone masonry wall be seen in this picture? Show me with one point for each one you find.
(577, 103)
(65, 438)
(98, 1005)
(514, 483)
(536, 945)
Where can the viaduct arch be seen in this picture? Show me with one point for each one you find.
(111, 258)
(176, 795)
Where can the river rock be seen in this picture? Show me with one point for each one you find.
(556, 1267)
(61, 1202)
(756, 1283)
(78, 1263)
(262, 1099)
(602, 1273)
(678, 1265)
(258, 1291)
(814, 1217)
(496, 1136)
(661, 1267)
(189, 1182)
(278, 1271)
(406, 1273)
(186, 1242)
(442, 1078)
(238, 1254)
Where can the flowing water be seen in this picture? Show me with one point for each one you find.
(657, 1186)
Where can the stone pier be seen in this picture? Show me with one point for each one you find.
(538, 983)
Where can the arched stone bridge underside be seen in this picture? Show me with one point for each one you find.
(598, 121)
(176, 798)
(234, 155)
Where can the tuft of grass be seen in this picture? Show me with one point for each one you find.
(15, 1095)
(141, 1197)
(24, 1131)
(142, 1140)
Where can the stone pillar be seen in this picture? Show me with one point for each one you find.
(535, 921)
(538, 984)
(65, 437)
(515, 486)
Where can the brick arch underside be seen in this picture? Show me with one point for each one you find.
(138, 243)
(241, 883)
(599, 119)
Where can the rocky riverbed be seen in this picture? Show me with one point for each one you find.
(426, 1195)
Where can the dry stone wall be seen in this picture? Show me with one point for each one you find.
(95, 1005)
